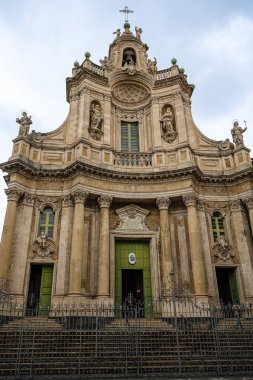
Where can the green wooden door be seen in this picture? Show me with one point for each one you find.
(141, 251)
(45, 289)
(233, 286)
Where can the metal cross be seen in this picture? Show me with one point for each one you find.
(126, 11)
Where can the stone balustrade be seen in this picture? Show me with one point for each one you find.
(96, 69)
(133, 159)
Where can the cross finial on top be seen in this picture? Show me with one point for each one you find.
(126, 11)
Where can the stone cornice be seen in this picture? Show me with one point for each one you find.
(41, 172)
(175, 80)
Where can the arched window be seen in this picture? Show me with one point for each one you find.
(46, 223)
(218, 225)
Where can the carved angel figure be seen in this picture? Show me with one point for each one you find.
(152, 68)
(138, 32)
(24, 122)
(237, 134)
(107, 63)
(117, 32)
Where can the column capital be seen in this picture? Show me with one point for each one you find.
(105, 201)
(163, 203)
(13, 194)
(190, 200)
(67, 200)
(235, 205)
(248, 202)
(80, 196)
(28, 199)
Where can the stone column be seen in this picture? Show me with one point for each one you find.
(24, 220)
(64, 245)
(163, 204)
(249, 204)
(13, 196)
(244, 245)
(197, 258)
(104, 248)
(77, 245)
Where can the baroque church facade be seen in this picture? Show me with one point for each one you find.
(127, 196)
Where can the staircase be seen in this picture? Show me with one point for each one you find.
(146, 347)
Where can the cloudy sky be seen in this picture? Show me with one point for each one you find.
(211, 39)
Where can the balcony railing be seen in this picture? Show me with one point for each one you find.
(133, 159)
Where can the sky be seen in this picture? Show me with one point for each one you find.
(40, 40)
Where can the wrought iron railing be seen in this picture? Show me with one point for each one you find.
(180, 338)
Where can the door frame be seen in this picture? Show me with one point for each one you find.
(237, 276)
(149, 236)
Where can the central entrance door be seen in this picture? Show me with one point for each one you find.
(132, 274)
(227, 285)
(40, 289)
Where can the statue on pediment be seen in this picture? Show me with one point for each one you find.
(237, 134)
(24, 122)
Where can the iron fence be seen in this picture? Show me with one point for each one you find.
(180, 337)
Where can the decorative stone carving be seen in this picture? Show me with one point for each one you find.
(235, 205)
(80, 197)
(201, 205)
(117, 32)
(24, 122)
(225, 145)
(132, 218)
(96, 120)
(106, 63)
(28, 199)
(36, 137)
(168, 125)
(152, 66)
(138, 32)
(223, 250)
(130, 93)
(13, 194)
(237, 134)
(248, 201)
(105, 201)
(190, 200)
(44, 248)
(163, 203)
(67, 201)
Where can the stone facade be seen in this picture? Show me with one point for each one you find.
(169, 188)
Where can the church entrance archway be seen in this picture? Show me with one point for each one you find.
(40, 290)
(227, 285)
(132, 275)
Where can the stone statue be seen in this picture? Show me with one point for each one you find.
(167, 125)
(237, 134)
(96, 119)
(138, 32)
(152, 68)
(117, 32)
(129, 64)
(25, 122)
(107, 63)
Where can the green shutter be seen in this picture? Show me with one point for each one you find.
(129, 137)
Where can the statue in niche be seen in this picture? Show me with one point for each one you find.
(152, 66)
(129, 62)
(167, 125)
(24, 122)
(95, 128)
(237, 134)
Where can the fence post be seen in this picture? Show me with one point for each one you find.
(176, 327)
